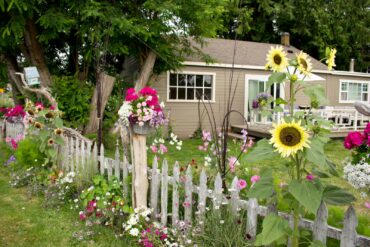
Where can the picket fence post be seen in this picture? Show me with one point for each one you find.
(164, 192)
(217, 192)
(349, 234)
(235, 196)
(320, 225)
(95, 159)
(101, 159)
(154, 188)
(124, 166)
(175, 193)
(188, 195)
(202, 196)
(252, 217)
(117, 162)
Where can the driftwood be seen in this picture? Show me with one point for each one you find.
(363, 108)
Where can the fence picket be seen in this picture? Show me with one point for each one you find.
(235, 196)
(217, 192)
(109, 166)
(117, 162)
(154, 188)
(188, 195)
(202, 196)
(124, 165)
(164, 192)
(320, 225)
(101, 159)
(70, 154)
(95, 159)
(175, 194)
(252, 213)
(76, 152)
(349, 234)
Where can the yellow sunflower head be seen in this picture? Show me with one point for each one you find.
(276, 59)
(304, 63)
(330, 58)
(289, 138)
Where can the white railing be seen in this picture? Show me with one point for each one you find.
(342, 118)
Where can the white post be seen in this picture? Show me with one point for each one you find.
(140, 173)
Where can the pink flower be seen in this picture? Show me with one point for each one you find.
(186, 204)
(367, 205)
(163, 148)
(154, 149)
(52, 107)
(242, 184)
(367, 129)
(82, 216)
(206, 136)
(131, 95)
(353, 139)
(200, 147)
(14, 144)
(255, 178)
(232, 162)
(310, 177)
(39, 106)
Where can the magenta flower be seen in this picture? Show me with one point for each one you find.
(367, 205)
(39, 106)
(353, 139)
(14, 144)
(242, 184)
(367, 129)
(232, 162)
(255, 178)
(131, 95)
(310, 177)
(163, 148)
(186, 204)
(52, 107)
(154, 149)
(82, 216)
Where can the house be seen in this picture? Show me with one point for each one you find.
(179, 89)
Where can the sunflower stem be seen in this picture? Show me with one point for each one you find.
(295, 237)
(292, 97)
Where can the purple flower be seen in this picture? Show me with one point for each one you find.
(310, 177)
(158, 119)
(255, 104)
(10, 160)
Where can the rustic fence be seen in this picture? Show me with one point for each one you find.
(11, 130)
(82, 156)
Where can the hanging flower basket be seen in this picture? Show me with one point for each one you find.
(142, 130)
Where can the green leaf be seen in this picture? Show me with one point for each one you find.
(273, 229)
(58, 122)
(316, 92)
(307, 194)
(276, 77)
(52, 152)
(59, 140)
(280, 101)
(264, 188)
(337, 196)
(43, 135)
(315, 153)
(317, 243)
(262, 151)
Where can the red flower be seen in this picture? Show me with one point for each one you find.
(131, 94)
(353, 139)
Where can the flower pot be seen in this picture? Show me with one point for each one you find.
(141, 130)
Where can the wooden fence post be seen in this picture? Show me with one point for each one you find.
(202, 197)
(252, 213)
(217, 192)
(349, 234)
(320, 225)
(117, 162)
(124, 165)
(102, 160)
(154, 187)
(164, 192)
(139, 175)
(188, 201)
(235, 196)
(175, 194)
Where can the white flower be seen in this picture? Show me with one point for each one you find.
(124, 112)
(75, 200)
(161, 140)
(171, 142)
(222, 222)
(134, 232)
(90, 188)
(162, 105)
(132, 221)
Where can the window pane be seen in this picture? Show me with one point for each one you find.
(343, 96)
(364, 97)
(199, 81)
(190, 93)
(182, 80)
(181, 93)
(173, 79)
(364, 87)
(207, 80)
(344, 86)
(173, 93)
(191, 80)
(207, 94)
(354, 91)
(198, 93)
(261, 86)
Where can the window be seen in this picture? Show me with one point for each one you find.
(191, 87)
(351, 91)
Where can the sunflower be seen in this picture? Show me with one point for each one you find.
(276, 59)
(304, 63)
(50, 142)
(58, 131)
(289, 138)
(330, 58)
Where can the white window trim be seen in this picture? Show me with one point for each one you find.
(192, 73)
(353, 81)
(246, 89)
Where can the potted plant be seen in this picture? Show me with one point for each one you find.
(142, 110)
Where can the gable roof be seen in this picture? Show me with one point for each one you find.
(246, 52)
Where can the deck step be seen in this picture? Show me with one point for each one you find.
(238, 136)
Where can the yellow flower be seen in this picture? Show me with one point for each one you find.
(330, 58)
(304, 63)
(276, 59)
(289, 138)
(2, 90)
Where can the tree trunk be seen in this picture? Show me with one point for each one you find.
(107, 87)
(146, 71)
(35, 52)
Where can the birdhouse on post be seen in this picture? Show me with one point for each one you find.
(32, 76)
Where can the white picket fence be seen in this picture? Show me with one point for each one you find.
(82, 157)
(11, 130)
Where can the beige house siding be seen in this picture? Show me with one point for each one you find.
(184, 115)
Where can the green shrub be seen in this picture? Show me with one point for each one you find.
(28, 153)
(73, 97)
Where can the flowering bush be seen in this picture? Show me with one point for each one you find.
(143, 107)
(103, 202)
(261, 101)
(359, 142)
(15, 114)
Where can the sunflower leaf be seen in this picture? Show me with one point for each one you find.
(307, 194)
(315, 153)
(273, 228)
(337, 196)
(276, 77)
(264, 188)
(261, 151)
